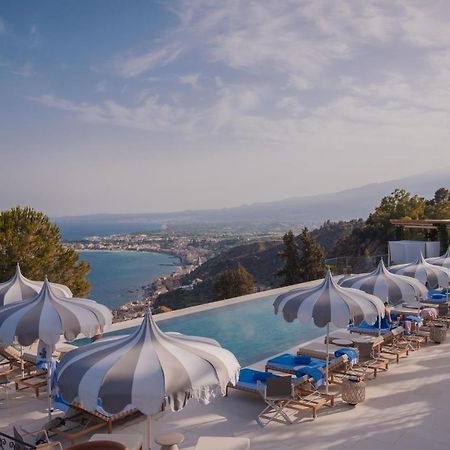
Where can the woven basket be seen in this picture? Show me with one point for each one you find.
(438, 332)
(353, 390)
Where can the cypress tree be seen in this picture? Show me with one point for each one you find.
(290, 273)
(312, 259)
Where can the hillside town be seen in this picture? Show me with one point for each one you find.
(192, 250)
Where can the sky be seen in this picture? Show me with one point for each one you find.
(153, 106)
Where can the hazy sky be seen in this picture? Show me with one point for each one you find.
(145, 106)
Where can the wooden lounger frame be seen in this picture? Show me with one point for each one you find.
(89, 421)
(307, 396)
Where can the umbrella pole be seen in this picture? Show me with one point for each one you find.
(49, 385)
(149, 431)
(328, 357)
(22, 367)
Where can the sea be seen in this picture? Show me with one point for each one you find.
(118, 277)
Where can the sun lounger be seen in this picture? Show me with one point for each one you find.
(394, 344)
(318, 350)
(253, 381)
(36, 382)
(340, 363)
(222, 443)
(78, 422)
(15, 359)
(288, 363)
(364, 328)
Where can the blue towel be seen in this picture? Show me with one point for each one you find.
(314, 373)
(290, 360)
(351, 353)
(416, 319)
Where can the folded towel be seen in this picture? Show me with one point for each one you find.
(350, 352)
(313, 372)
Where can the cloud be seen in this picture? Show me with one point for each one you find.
(287, 72)
(191, 79)
(136, 65)
(148, 114)
(25, 71)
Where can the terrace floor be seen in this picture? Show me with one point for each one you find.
(406, 407)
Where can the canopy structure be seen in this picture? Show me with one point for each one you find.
(20, 288)
(432, 276)
(443, 261)
(47, 316)
(390, 287)
(148, 369)
(328, 304)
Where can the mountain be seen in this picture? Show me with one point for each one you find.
(307, 210)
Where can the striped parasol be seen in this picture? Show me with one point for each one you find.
(389, 287)
(328, 304)
(148, 369)
(48, 316)
(430, 275)
(443, 261)
(20, 288)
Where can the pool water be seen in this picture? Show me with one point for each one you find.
(249, 329)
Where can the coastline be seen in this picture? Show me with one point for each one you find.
(147, 293)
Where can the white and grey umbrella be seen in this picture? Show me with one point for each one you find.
(328, 304)
(47, 316)
(20, 288)
(149, 369)
(430, 275)
(390, 287)
(442, 261)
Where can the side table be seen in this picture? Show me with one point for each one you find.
(169, 441)
(353, 390)
(438, 332)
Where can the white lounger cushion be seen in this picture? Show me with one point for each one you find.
(222, 443)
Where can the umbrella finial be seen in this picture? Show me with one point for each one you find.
(18, 271)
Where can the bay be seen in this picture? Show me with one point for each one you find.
(117, 277)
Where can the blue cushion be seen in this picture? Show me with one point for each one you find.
(262, 376)
(246, 375)
(302, 360)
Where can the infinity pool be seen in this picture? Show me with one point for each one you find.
(249, 329)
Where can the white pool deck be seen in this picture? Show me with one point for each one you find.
(407, 407)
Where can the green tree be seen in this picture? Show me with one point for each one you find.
(439, 206)
(233, 283)
(398, 205)
(29, 238)
(290, 273)
(312, 258)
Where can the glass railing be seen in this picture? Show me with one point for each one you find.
(354, 264)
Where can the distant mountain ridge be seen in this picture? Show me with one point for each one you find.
(308, 210)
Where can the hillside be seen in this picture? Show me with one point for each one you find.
(260, 258)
